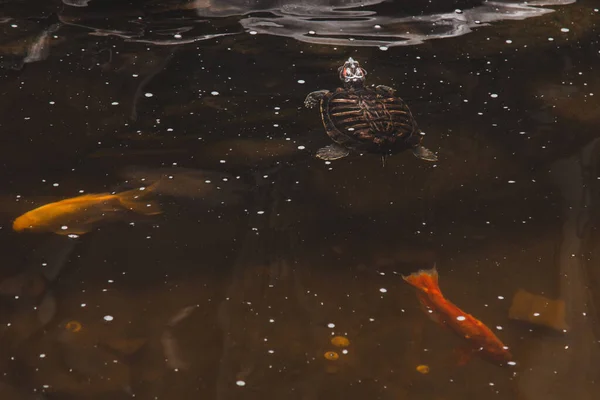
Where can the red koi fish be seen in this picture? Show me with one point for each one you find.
(479, 338)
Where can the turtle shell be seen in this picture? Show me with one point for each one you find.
(366, 120)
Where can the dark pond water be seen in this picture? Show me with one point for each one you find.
(262, 253)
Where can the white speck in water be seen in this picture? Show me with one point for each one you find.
(14, 25)
(493, 95)
(214, 93)
(253, 32)
(501, 297)
(377, 27)
(240, 383)
(276, 125)
(536, 314)
(301, 147)
(148, 94)
(508, 41)
(108, 318)
(83, 304)
(271, 320)
(511, 363)
(42, 355)
(564, 30)
(312, 32)
(64, 227)
(135, 75)
(345, 351)
(383, 48)
(383, 290)
(301, 81)
(491, 383)
(55, 184)
(566, 347)
(207, 181)
(550, 39)
(460, 318)
(458, 11)
(51, 102)
(260, 212)
(371, 319)
(222, 162)
(499, 327)
(331, 325)
(114, 103)
(511, 181)
(177, 36)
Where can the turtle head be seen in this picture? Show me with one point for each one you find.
(352, 74)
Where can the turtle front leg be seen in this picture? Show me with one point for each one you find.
(384, 90)
(314, 98)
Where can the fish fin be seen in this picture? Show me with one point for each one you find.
(425, 280)
(135, 200)
(74, 231)
(464, 355)
(431, 313)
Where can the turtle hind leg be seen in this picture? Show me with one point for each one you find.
(424, 153)
(332, 152)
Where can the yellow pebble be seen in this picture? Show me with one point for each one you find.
(424, 369)
(73, 326)
(332, 355)
(340, 341)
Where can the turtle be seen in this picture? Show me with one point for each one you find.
(361, 118)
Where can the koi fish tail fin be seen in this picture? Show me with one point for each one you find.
(137, 200)
(425, 280)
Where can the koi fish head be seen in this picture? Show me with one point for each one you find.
(23, 223)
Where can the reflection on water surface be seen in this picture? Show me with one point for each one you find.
(270, 273)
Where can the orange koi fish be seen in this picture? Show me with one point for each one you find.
(479, 338)
(78, 215)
